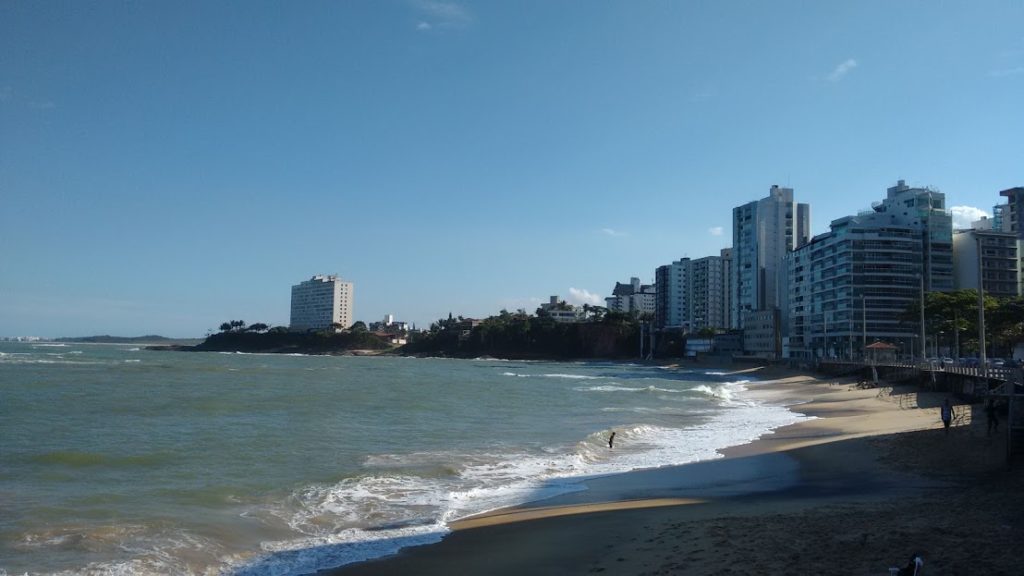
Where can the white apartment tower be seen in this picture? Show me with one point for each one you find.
(999, 268)
(690, 294)
(848, 287)
(321, 302)
(763, 231)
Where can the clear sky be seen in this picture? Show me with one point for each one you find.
(167, 166)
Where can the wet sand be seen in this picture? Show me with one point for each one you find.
(870, 480)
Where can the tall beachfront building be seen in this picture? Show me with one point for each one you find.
(999, 267)
(690, 294)
(321, 302)
(763, 232)
(848, 287)
(1014, 212)
(1009, 217)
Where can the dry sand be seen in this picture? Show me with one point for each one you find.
(858, 489)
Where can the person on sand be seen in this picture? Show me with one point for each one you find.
(991, 416)
(947, 414)
(611, 440)
(913, 567)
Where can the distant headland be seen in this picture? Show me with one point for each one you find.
(148, 339)
(518, 335)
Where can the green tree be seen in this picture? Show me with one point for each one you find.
(953, 315)
(1006, 323)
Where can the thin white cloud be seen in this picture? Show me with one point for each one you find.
(716, 230)
(842, 70)
(440, 14)
(580, 296)
(1005, 72)
(704, 94)
(963, 216)
(42, 105)
(615, 233)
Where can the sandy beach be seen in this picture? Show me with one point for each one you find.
(870, 480)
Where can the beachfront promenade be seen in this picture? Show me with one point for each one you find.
(932, 371)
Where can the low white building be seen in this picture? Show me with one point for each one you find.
(321, 302)
(389, 325)
(562, 312)
(633, 298)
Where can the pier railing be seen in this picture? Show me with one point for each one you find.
(1001, 374)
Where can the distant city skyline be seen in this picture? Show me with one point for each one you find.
(167, 167)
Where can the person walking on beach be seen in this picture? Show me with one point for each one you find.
(991, 416)
(611, 440)
(947, 415)
(913, 567)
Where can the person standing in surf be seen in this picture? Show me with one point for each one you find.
(611, 440)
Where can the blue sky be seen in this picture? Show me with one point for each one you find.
(167, 166)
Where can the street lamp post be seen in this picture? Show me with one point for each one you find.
(982, 361)
(849, 328)
(924, 352)
(863, 325)
(956, 334)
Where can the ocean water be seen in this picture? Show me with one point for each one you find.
(116, 460)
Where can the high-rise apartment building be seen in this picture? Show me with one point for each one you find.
(763, 232)
(926, 209)
(1014, 211)
(632, 298)
(1012, 220)
(690, 294)
(672, 295)
(321, 302)
(999, 266)
(727, 282)
(1000, 220)
(849, 287)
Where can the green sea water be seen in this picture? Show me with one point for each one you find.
(117, 460)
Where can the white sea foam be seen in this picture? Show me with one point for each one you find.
(727, 392)
(614, 388)
(155, 552)
(307, 555)
(564, 376)
(416, 510)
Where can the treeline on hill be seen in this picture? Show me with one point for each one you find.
(236, 336)
(520, 335)
(107, 339)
